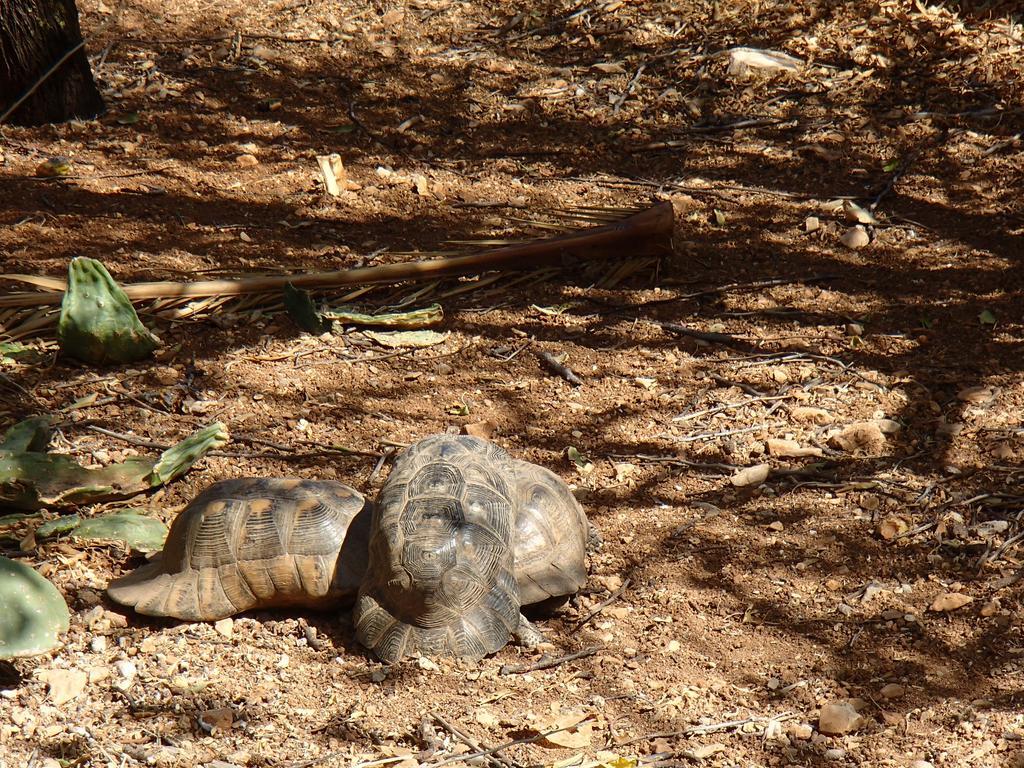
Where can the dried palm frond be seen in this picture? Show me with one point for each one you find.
(632, 231)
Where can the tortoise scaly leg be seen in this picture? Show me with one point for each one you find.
(526, 634)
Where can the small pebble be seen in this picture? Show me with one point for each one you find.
(98, 644)
(126, 669)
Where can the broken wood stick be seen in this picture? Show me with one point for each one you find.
(558, 367)
(651, 224)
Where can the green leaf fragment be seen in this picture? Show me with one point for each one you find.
(302, 310)
(8, 521)
(891, 166)
(985, 317)
(577, 458)
(397, 339)
(555, 311)
(57, 526)
(176, 460)
(29, 435)
(98, 323)
(34, 613)
(414, 318)
(140, 532)
(12, 350)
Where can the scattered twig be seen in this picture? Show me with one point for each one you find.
(331, 755)
(1003, 144)
(729, 407)
(753, 285)
(130, 439)
(492, 750)
(596, 610)
(628, 89)
(738, 125)
(559, 368)
(697, 437)
(386, 454)
(547, 662)
(710, 511)
(492, 759)
(727, 339)
(676, 461)
(703, 730)
(557, 23)
(371, 134)
(124, 175)
(750, 390)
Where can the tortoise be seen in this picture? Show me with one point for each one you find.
(461, 537)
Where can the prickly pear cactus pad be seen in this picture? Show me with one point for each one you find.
(33, 615)
(97, 322)
(141, 533)
(29, 435)
(32, 479)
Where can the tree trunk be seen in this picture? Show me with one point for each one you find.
(34, 36)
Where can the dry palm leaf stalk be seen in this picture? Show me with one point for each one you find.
(623, 231)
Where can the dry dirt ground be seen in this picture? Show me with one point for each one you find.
(893, 370)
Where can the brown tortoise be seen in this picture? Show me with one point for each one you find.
(461, 537)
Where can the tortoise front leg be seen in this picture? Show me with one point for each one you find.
(526, 634)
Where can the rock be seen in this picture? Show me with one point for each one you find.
(247, 161)
(224, 627)
(812, 224)
(888, 426)
(780, 447)
(855, 237)
(893, 526)
(856, 214)
(98, 644)
(921, 764)
(977, 395)
(836, 753)
(950, 601)
(838, 717)
(704, 751)
(483, 429)
(853, 329)
(126, 671)
(754, 475)
(892, 691)
(863, 437)
(810, 414)
(991, 608)
(801, 731)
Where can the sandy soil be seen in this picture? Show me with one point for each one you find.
(880, 386)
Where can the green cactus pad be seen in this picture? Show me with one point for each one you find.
(33, 615)
(30, 480)
(302, 310)
(57, 526)
(178, 458)
(28, 435)
(97, 322)
(141, 533)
